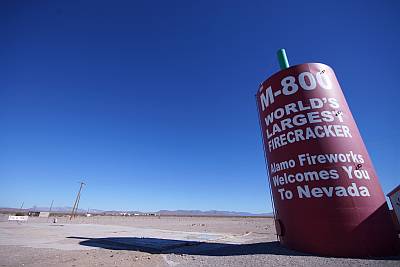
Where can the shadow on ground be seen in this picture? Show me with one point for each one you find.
(160, 246)
(167, 246)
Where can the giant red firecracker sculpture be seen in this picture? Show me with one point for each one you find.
(327, 197)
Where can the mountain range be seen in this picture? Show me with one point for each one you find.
(160, 212)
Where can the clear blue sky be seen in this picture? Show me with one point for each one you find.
(152, 102)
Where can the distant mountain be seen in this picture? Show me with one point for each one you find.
(160, 212)
(209, 213)
(53, 209)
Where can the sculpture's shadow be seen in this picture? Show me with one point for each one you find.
(164, 246)
(167, 246)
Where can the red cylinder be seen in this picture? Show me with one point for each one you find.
(327, 196)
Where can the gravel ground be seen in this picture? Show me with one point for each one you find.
(233, 242)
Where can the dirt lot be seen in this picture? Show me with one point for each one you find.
(154, 241)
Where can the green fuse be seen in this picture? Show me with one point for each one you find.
(282, 58)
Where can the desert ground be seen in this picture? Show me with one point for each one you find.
(155, 241)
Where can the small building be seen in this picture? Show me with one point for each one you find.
(44, 214)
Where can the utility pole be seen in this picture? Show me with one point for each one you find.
(51, 206)
(76, 204)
